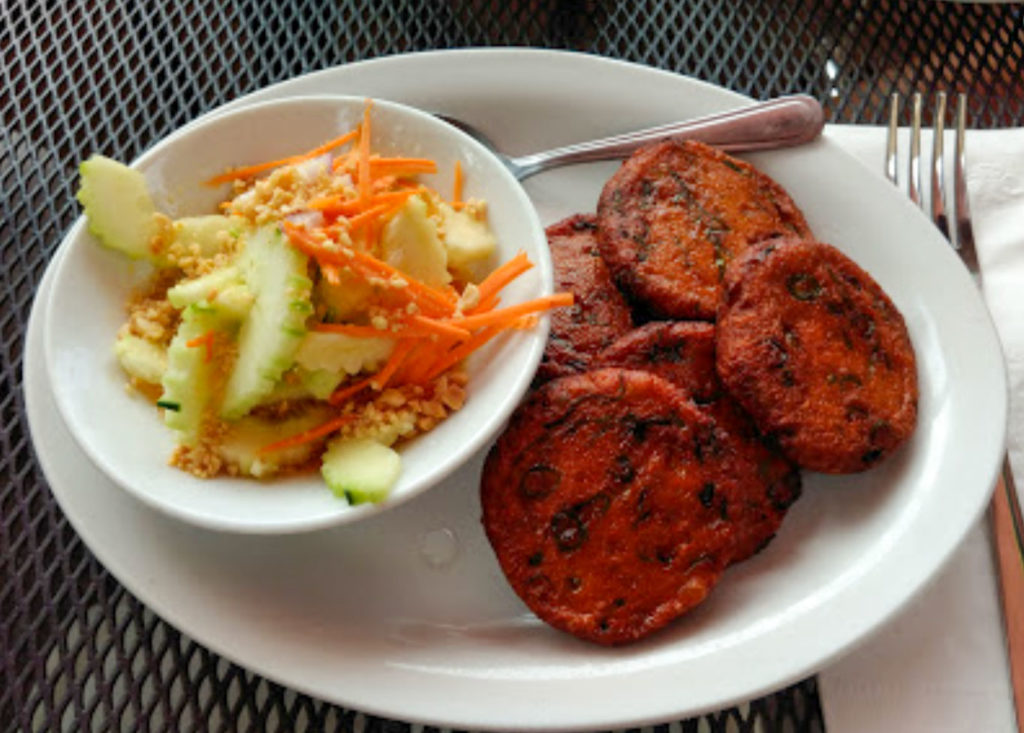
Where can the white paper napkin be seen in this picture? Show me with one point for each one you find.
(942, 665)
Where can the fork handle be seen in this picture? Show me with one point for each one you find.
(778, 123)
(1009, 536)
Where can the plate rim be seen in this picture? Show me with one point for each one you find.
(634, 719)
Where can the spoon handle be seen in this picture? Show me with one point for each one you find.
(778, 123)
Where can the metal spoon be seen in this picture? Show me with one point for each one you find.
(777, 123)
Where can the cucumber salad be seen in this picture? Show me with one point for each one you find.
(322, 317)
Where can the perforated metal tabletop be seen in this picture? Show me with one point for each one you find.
(77, 651)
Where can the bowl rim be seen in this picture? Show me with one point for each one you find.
(345, 513)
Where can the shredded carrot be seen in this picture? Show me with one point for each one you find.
(401, 167)
(430, 300)
(367, 216)
(502, 276)
(525, 323)
(310, 435)
(251, 170)
(345, 160)
(206, 341)
(483, 306)
(461, 351)
(403, 162)
(343, 393)
(332, 203)
(380, 380)
(419, 327)
(332, 274)
(365, 179)
(457, 185)
(425, 295)
(339, 206)
(422, 352)
(504, 316)
(440, 328)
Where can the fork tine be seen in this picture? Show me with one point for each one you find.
(915, 150)
(938, 183)
(890, 140)
(962, 207)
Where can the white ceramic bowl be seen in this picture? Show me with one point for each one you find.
(124, 435)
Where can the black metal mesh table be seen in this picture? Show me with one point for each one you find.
(77, 651)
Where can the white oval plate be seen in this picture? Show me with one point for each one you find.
(407, 615)
(125, 436)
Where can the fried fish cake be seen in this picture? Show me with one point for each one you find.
(594, 502)
(756, 483)
(676, 213)
(683, 352)
(818, 354)
(599, 313)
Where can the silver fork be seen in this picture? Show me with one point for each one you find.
(1007, 525)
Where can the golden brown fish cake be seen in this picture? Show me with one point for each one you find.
(676, 213)
(595, 501)
(599, 313)
(812, 347)
(757, 484)
(683, 352)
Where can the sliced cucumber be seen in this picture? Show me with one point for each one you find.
(118, 206)
(360, 470)
(276, 275)
(140, 358)
(188, 379)
(243, 441)
(347, 299)
(320, 383)
(410, 243)
(205, 287)
(342, 354)
(469, 242)
(222, 288)
(205, 233)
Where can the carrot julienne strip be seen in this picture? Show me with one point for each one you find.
(461, 351)
(342, 394)
(380, 380)
(525, 323)
(506, 315)
(401, 167)
(342, 161)
(457, 185)
(206, 341)
(486, 305)
(367, 216)
(251, 170)
(310, 435)
(424, 294)
(431, 300)
(440, 328)
(339, 206)
(422, 351)
(423, 329)
(503, 275)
